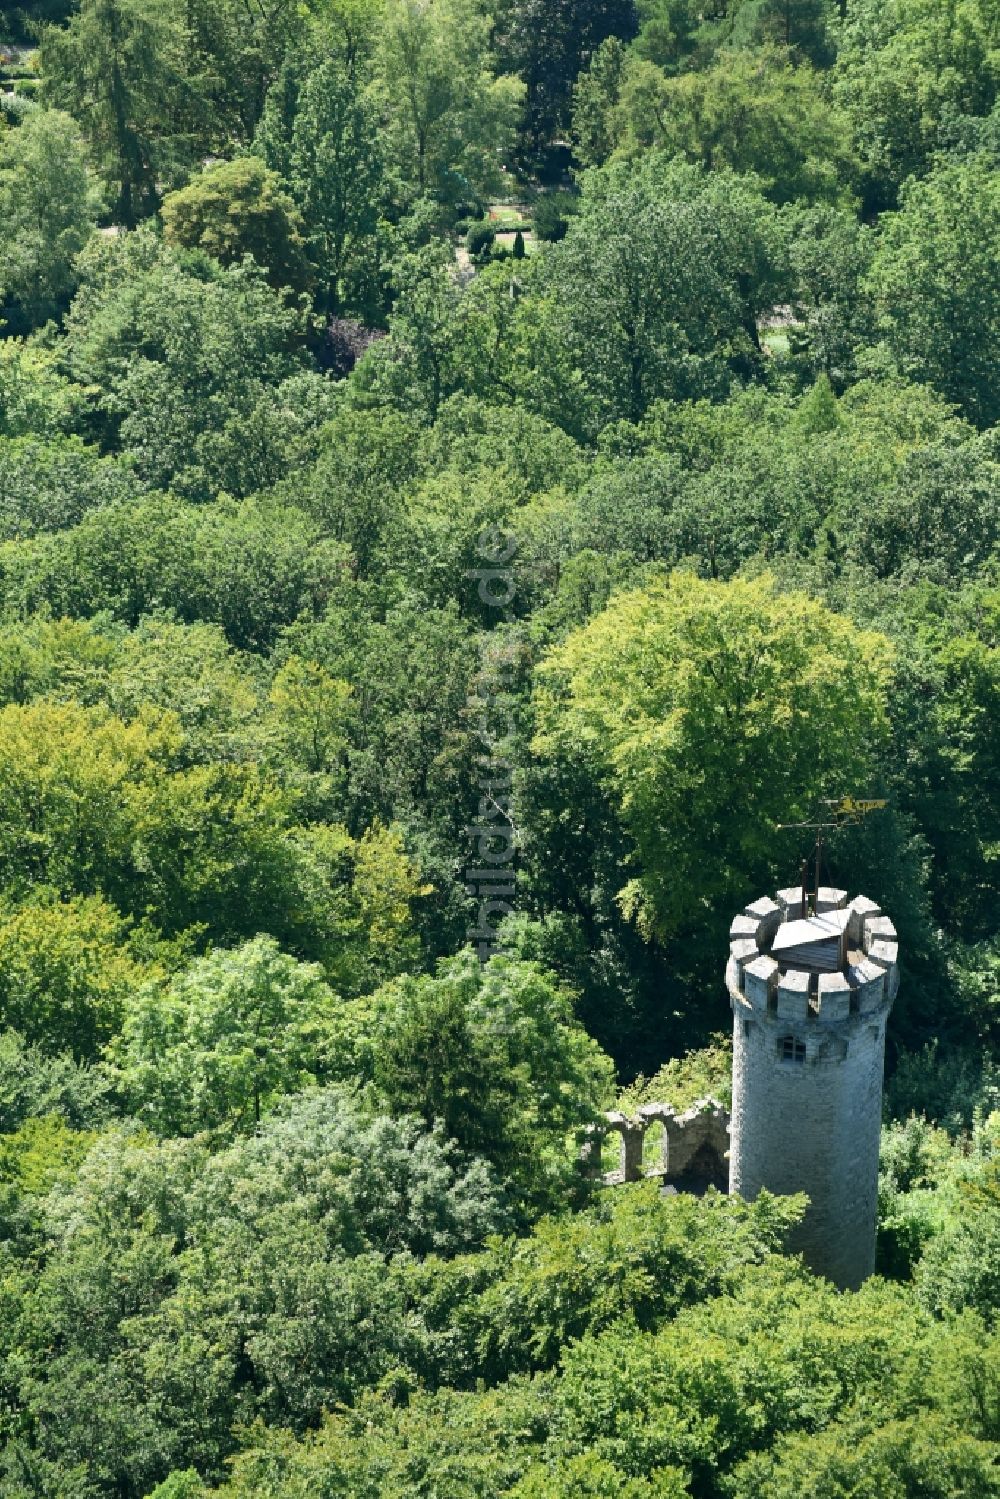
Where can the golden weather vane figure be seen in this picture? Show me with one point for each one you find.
(841, 812)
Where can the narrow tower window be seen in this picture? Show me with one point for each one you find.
(792, 1050)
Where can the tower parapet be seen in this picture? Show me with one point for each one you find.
(810, 996)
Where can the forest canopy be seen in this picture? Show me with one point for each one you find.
(472, 474)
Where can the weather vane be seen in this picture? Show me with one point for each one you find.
(841, 812)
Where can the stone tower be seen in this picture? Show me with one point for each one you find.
(810, 998)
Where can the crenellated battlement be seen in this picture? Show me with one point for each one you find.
(822, 969)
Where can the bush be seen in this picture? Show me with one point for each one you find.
(13, 107)
(480, 241)
(470, 211)
(552, 215)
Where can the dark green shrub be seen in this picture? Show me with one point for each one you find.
(552, 214)
(480, 241)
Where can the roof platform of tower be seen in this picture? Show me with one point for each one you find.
(817, 944)
(841, 961)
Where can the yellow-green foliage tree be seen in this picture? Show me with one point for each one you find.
(217, 1045)
(66, 971)
(708, 713)
(95, 806)
(237, 208)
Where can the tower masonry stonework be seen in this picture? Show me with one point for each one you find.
(810, 996)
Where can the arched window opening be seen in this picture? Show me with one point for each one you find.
(792, 1051)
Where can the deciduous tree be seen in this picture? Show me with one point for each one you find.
(449, 120)
(49, 202)
(710, 713)
(216, 1045)
(320, 132)
(934, 285)
(237, 208)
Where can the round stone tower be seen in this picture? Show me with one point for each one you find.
(810, 997)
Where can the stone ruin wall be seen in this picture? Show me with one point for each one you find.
(696, 1134)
